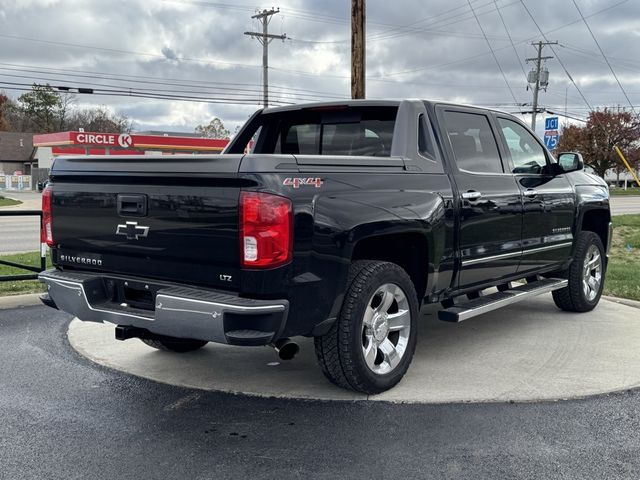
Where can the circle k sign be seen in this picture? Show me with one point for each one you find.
(125, 140)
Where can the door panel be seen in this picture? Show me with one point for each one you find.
(547, 234)
(490, 228)
(490, 223)
(548, 201)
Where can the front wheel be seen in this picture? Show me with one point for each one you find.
(585, 274)
(370, 346)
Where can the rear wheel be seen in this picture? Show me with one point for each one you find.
(174, 344)
(585, 275)
(370, 346)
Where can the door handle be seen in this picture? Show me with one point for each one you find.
(471, 195)
(530, 192)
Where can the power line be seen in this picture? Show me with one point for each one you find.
(147, 90)
(624, 63)
(475, 57)
(401, 30)
(313, 16)
(153, 80)
(604, 56)
(128, 52)
(70, 75)
(52, 77)
(145, 94)
(306, 73)
(419, 32)
(572, 117)
(454, 19)
(493, 53)
(556, 54)
(515, 51)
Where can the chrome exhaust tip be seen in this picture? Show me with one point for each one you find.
(285, 348)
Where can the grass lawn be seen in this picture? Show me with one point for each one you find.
(8, 202)
(621, 192)
(623, 274)
(22, 286)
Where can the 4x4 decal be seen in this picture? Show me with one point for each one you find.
(297, 182)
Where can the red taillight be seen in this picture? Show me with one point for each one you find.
(46, 233)
(265, 230)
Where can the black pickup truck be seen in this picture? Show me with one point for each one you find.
(340, 222)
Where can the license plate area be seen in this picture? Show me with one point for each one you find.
(128, 293)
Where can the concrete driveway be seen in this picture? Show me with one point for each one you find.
(526, 352)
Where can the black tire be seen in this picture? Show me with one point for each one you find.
(173, 344)
(340, 352)
(573, 297)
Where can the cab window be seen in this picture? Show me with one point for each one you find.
(473, 143)
(352, 131)
(526, 152)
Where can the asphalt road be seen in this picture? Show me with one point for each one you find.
(19, 234)
(64, 417)
(625, 205)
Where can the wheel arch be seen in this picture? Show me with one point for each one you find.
(409, 250)
(597, 221)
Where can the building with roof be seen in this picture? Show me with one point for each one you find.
(17, 153)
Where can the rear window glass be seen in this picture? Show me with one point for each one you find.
(350, 131)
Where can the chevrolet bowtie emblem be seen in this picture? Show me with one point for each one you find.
(132, 230)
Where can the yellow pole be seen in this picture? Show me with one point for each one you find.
(626, 164)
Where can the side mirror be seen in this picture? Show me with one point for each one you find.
(570, 162)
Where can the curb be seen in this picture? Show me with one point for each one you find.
(17, 301)
(623, 301)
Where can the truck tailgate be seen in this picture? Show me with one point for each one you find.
(167, 219)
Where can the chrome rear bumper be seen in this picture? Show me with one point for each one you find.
(178, 311)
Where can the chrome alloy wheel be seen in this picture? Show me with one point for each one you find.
(592, 273)
(385, 329)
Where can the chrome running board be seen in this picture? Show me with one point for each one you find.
(493, 301)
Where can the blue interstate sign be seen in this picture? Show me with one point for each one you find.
(551, 123)
(551, 141)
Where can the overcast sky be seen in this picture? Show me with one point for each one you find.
(431, 49)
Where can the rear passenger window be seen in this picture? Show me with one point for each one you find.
(473, 142)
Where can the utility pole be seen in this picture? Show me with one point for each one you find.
(539, 78)
(358, 55)
(265, 39)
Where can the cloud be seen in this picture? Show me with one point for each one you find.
(170, 54)
(197, 49)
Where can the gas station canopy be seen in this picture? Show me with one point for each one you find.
(93, 143)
